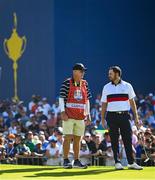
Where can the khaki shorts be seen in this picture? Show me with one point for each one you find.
(73, 127)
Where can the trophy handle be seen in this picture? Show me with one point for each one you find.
(25, 43)
(5, 47)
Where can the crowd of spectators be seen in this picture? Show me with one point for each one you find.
(32, 134)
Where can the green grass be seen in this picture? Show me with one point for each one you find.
(17, 172)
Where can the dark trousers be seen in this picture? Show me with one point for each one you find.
(119, 125)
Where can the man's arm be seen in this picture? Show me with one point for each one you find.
(63, 95)
(104, 105)
(89, 96)
(62, 109)
(134, 109)
(104, 108)
(88, 110)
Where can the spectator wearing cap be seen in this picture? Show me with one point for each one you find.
(35, 138)
(21, 106)
(14, 110)
(56, 108)
(109, 160)
(38, 150)
(22, 151)
(46, 106)
(40, 114)
(91, 144)
(53, 153)
(60, 139)
(43, 127)
(30, 141)
(98, 140)
(10, 152)
(75, 107)
(12, 128)
(54, 133)
(85, 154)
(117, 100)
(28, 123)
(43, 140)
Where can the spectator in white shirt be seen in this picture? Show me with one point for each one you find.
(53, 153)
(12, 128)
(56, 108)
(46, 106)
(109, 161)
(85, 154)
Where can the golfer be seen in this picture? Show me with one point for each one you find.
(117, 99)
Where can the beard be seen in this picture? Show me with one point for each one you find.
(112, 79)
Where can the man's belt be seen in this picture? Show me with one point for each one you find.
(118, 112)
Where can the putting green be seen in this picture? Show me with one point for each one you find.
(25, 172)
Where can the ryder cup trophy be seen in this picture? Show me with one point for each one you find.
(14, 47)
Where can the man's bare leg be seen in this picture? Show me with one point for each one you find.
(76, 146)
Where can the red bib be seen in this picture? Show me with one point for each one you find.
(76, 101)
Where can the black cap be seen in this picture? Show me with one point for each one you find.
(79, 66)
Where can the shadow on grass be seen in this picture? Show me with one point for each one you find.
(72, 173)
(14, 170)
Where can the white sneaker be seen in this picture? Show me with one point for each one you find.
(135, 166)
(118, 166)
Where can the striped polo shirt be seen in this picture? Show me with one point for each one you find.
(117, 96)
(64, 90)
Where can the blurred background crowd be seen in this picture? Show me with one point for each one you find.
(31, 133)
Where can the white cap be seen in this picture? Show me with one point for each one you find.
(32, 115)
(142, 129)
(134, 128)
(44, 99)
(83, 142)
(41, 133)
(40, 103)
(43, 121)
(142, 101)
(40, 109)
(88, 134)
(151, 94)
(20, 102)
(38, 142)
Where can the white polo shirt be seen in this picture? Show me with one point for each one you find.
(117, 96)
